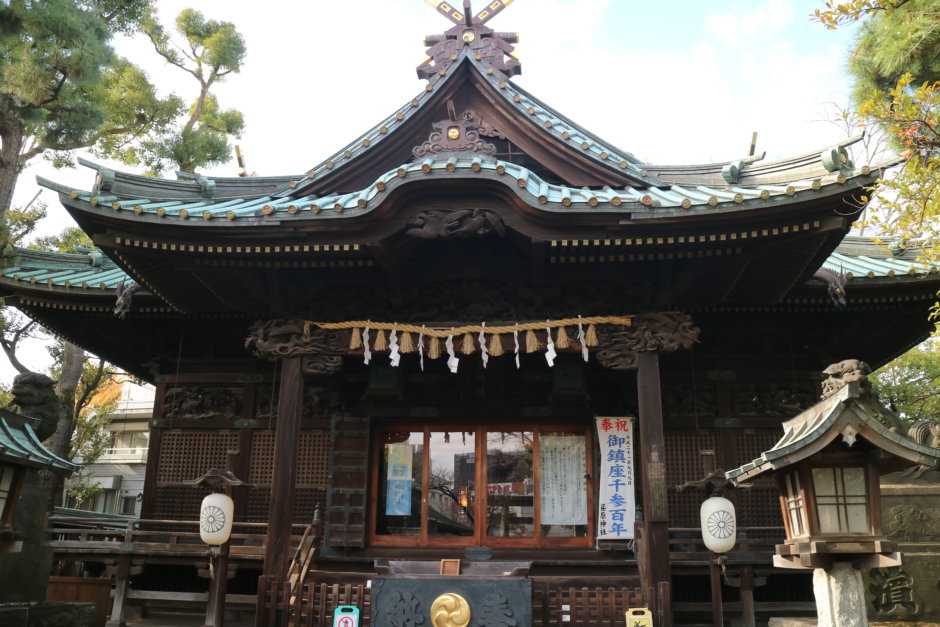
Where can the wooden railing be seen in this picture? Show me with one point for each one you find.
(128, 543)
(302, 599)
(755, 545)
(313, 607)
(145, 536)
(305, 555)
(551, 604)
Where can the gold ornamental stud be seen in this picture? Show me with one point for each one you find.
(450, 610)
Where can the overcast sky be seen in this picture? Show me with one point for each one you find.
(685, 81)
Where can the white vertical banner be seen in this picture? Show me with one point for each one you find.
(617, 495)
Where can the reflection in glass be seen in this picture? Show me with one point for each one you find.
(794, 504)
(840, 500)
(450, 483)
(399, 508)
(510, 484)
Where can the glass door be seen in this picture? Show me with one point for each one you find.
(507, 485)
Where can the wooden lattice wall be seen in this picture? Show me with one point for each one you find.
(313, 453)
(757, 507)
(187, 454)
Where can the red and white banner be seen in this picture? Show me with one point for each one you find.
(617, 495)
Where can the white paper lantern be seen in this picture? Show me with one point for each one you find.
(719, 526)
(215, 518)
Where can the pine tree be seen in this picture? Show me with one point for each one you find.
(55, 62)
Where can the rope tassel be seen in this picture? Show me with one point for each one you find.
(531, 342)
(380, 343)
(355, 341)
(561, 339)
(434, 350)
(496, 345)
(591, 339)
(467, 347)
(406, 343)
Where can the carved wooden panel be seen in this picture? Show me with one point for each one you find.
(684, 401)
(185, 403)
(750, 400)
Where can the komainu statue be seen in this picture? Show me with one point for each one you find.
(34, 396)
(847, 371)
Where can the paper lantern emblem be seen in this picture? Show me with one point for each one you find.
(721, 524)
(718, 524)
(212, 519)
(215, 519)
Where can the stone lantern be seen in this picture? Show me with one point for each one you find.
(828, 465)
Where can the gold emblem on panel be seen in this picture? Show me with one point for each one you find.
(450, 610)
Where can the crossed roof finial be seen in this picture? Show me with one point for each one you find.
(457, 17)
(489, 47)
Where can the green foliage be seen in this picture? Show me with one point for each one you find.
(20, 222)
(62, 87)
(209, 51)
(71, 240)
(82, 487)
(91, 436)
(55, 66)
(137, 117)
(910, 385)
(894, 43)
(6, 396)
(896, 67)
(52, 69)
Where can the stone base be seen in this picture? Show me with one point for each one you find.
(48, 615)
(25, 575)
(840, 596)
(792, 622)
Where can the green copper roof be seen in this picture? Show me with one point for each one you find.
(863, 258)
(847, 412)
(92, 271)
(20, 446)
(553, 123)
(638, 203)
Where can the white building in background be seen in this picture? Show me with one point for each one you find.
(121, 468)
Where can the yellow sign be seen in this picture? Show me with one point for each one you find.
(639, 617)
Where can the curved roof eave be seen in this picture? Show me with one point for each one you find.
(753, 169)
(675, 203)
(812, 430)
(185, 186)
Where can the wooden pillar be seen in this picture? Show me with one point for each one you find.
(215, 606)
(122, 572)
(655, 569)
(718, 613)
(281, 513)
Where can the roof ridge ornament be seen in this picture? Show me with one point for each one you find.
(456, 134)
(493, 49)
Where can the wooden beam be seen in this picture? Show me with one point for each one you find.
(281, 513)
(655, 566)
